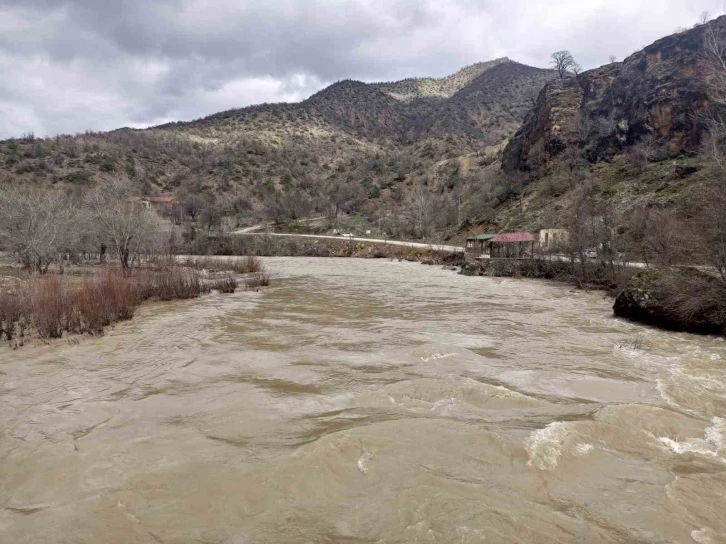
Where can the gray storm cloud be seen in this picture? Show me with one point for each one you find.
(69, 66)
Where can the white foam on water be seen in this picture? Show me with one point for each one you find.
(363, 461)
(660, 385)
(711, 445)
(436, 356)
(704, 536)
(444, 406)
(544, 446)
(583, 449)
(714, 433)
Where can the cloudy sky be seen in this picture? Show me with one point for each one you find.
(67, 66)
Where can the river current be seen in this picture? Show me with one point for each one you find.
(363, 401)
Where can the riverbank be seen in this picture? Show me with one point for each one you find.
(290, 246)
(594, 275)
(677, 299)
(55, 305)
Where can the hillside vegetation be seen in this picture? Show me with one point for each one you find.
(371, 149)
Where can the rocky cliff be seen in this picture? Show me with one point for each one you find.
(655, 94)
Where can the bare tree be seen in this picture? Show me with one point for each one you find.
(612, 59)
(193, 205)
(592, 225)
(564, 62)
(714, 57)
(710, 202)
(37, 225)
(641, 153)
(664, 240)
(420, 208)
(212, 215)
(708, 218)
(337, 192)
(129, 228)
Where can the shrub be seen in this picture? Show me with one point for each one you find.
(251, 264)
(49, 306)
(257, 280)
(11, 313)
(245, 265)
(224, 285)
(87, 310)
(53, 305)
(79, 177)
(102, 301)
(172, 284)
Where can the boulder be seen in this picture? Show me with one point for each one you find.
(682, 299)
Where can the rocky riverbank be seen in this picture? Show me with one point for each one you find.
(683, 299)
(588, 275)
(679, 299)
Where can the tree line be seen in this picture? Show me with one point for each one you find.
(42, 227)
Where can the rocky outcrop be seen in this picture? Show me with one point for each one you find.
(683, 299)
(548, 128)
(656, 92)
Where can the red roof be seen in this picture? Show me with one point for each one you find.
(162, 199)
(513, 237)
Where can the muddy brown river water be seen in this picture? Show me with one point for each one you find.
(367, 401)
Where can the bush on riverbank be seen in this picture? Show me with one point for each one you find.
(248, 264)
(589, 274)
(684, 299)
(257, 280)
(226, 285)
(53, 305)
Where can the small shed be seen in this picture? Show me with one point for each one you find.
(512, 245)
(479, 244)
(553, 238)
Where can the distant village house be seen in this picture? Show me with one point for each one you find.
(478, 245)
(507, 245)
(553, 238)
(512, 245)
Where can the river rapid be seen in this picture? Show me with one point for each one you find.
(358, 401)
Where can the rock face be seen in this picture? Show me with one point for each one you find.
(650, 298)
(656, 92)
(547, 128)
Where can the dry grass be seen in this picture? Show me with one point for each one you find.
(250, 266)
(244, 265)
(49, 306)
(171, 284)
(11, 313)
(257, 280)
(224, 285)
(53, 305)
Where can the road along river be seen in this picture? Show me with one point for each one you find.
(367, 401)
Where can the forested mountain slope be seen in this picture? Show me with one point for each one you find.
(352, 146)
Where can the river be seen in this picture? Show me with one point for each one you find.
(358, 401)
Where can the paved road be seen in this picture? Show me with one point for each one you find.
(263, 226)
(418, 245)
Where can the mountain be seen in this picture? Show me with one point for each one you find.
(428, 87)
(657, 94)
(629, 136)
(367, 144)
